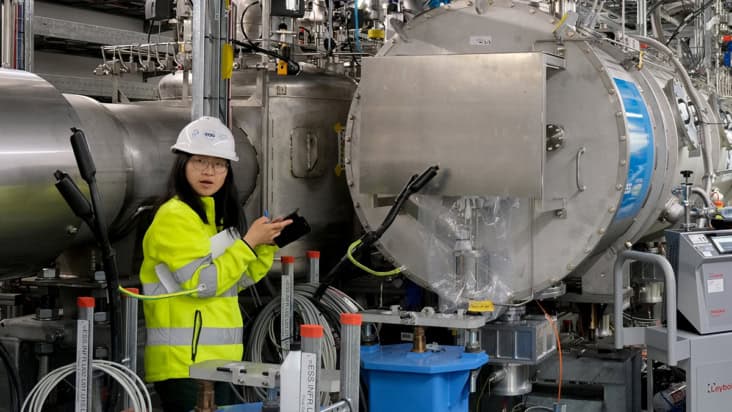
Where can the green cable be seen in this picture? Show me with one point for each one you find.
(157, 297)
(349, 254)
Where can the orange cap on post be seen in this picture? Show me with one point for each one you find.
(85, 302)
(288, 259)
(311, 331)
(351, 319)
(313, 254)
(136, 291)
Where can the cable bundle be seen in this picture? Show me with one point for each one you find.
(127, 379)
(326, 314)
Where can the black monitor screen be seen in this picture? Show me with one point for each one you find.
(723, 243)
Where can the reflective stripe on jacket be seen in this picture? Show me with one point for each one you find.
(207, 325)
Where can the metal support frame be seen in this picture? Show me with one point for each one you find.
(210, 31)
(649, 336)
(424, 318)
(86, 32)
(668, 273)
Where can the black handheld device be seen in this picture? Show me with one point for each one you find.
(295, 230)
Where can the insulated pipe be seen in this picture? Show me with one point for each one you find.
(313, 266)
(670, 287)
(691, 90)
(704, 195)
(350, 357)
(311, 338)
(657, 25)
(287, 302)
(84, 352)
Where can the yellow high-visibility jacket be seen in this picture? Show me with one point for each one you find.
(207, 325)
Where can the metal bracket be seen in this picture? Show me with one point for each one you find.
(439, 320)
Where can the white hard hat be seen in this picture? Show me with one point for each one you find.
(206, 136)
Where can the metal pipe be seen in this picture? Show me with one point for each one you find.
(266, 28)
(199, 59)
(622, 23)
(84, 345)
(313, 266)
(657, 25)
(287, 302)
(340, 404)
(130, 344)
(704, 138)
(206, 397)
(670, 287)
(28, 35)
(419, 340)
(704, 195)
(642, 18)
(231, 34)
(311, 338)
(350, 357)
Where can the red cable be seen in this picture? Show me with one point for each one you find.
(559, 350)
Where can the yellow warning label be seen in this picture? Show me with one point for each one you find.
(481, 306)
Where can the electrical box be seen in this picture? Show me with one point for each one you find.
(288, 8)
(158, 10)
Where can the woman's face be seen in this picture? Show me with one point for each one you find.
(206, 174)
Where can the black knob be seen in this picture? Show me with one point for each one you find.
(686, 173)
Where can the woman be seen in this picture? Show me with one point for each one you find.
(193, 250)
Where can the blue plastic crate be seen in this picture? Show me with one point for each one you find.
(399, 380)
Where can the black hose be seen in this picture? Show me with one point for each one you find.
(252, 47)
(241, 21)
(414, 185)
(149, 30)
(691, 17)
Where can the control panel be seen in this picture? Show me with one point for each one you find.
(702, 261)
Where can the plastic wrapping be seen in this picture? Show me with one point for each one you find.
(468, 244)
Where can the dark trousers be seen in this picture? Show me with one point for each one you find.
(181, 395)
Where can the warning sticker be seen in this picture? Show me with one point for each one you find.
(481, 306)
(715, 285)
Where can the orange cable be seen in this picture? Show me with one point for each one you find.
(559, 350)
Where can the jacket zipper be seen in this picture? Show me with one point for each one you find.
(197, 326)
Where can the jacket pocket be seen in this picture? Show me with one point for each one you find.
(197, 326)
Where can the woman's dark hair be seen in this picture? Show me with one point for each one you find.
(229, 214)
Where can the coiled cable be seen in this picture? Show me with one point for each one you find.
(263, 329)
(129, 381)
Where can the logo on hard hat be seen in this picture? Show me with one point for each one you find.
(210, 135)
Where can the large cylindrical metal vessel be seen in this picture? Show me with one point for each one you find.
(293, 166)
(555, 151)
(37, 120)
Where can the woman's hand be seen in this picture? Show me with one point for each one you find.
(263, 232)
